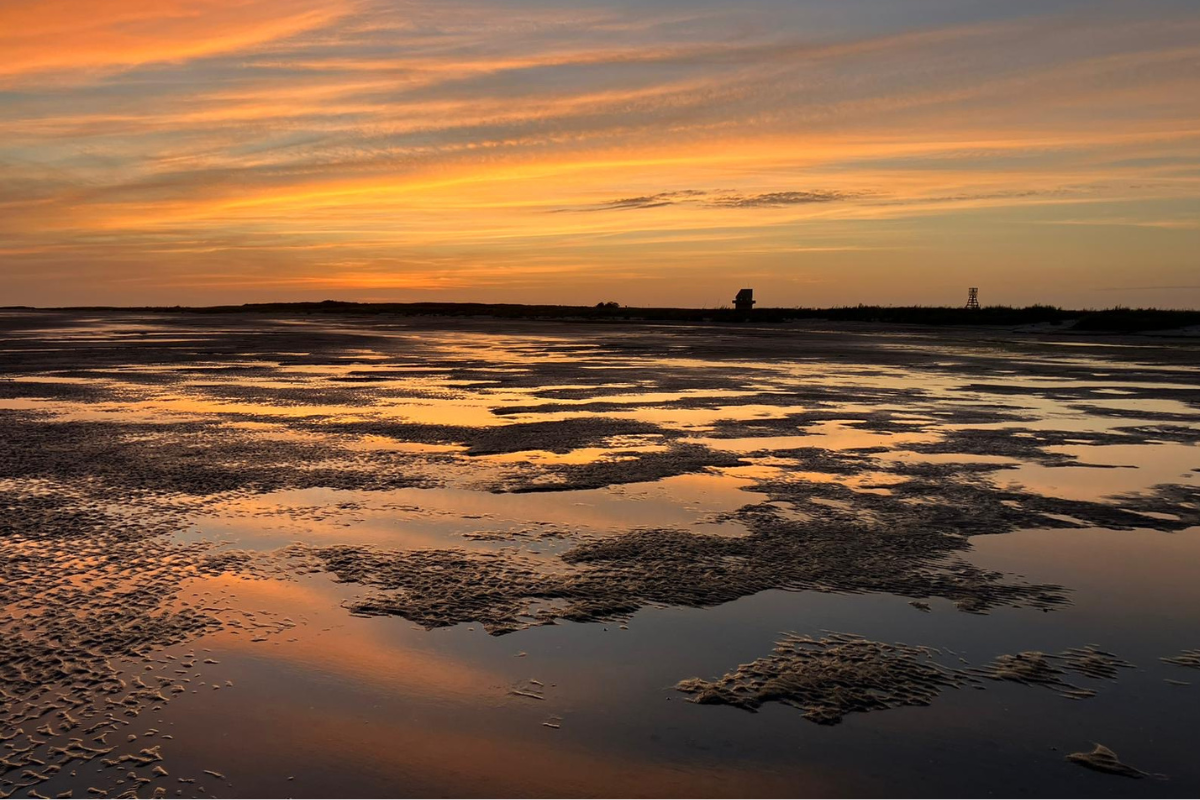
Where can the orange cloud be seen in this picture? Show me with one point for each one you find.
(56, 36)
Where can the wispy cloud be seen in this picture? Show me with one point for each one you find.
(778, 199)
(645, 201)
(1186, 286)
(715, 199)
(1162, 224)
(67, 40)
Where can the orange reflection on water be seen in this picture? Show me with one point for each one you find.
(352, 648)
(423, 757)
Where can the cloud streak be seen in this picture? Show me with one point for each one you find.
(709, 199)
(68, 39)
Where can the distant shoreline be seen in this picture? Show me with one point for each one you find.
(1115, 320)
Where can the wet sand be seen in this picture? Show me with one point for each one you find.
(302, 556)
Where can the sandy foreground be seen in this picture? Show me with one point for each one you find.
(252, 555)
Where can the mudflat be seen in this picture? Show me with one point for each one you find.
(258, 554)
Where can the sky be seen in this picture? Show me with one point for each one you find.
(657, 152)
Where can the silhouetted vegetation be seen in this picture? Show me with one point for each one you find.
(1119, 320)
(1137, 319)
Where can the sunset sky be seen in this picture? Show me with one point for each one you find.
(648, 151)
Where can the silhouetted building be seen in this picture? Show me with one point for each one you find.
(744, 300)
(973, 299)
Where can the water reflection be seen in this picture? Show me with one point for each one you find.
(683, 440)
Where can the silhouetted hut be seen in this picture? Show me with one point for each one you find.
(744, 300)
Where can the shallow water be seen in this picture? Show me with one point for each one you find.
(359, 506)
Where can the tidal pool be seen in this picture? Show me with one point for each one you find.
(248, 555)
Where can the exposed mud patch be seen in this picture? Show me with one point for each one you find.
(932, 416)
(1028, 444)
(621, 467)
(196, 458)
(1068, 392)
(80, 392)
(438, 588)
(829, 678)
(680, 568)
(1188, 658)
(1136, 413)
(842, 673)
(556, 436)
(959, 502)
(1102, 759)
(1040, 669)
(615, 576)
